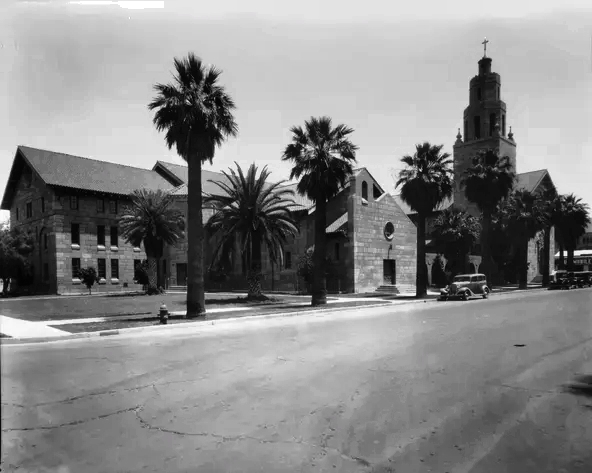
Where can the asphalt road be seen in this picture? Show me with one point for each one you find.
(436, 387)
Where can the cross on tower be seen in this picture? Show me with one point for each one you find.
(484, 43)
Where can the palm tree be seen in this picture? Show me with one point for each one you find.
(425, 184)
(575, 218)
(152, 221)
(257, 213)
(322, 159)
(455, 232)
(487, 182)
(196, 113)
(550, 204)
(524, 216)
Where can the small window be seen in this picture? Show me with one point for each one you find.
(42, 205)
(75, 232)
(288, 262)
(137, 263)
(477, 127)
(115, 268)
(336, 251)
(73, 202)
(101, 235)
(113, 206)
(114, 236)
(492, 120)
(45, 241)
(102, 265)
(364, 190)
(100, 206)
(75, 268)
(29, 209)
(479, 93)
(503, 125)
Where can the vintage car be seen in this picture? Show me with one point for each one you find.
(465, 286)
(583, 278)
(562, 279)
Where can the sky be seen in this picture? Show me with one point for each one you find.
(77, 78)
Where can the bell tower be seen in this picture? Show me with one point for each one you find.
(484, 126)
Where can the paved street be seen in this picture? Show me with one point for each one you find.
(444, 387)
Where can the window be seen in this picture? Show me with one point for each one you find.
(101, 235)
(45, 272)
(503, 125)
(115, 269)
(102, 265)
(75, 268)
(113, 206)
(42, 204)
(73, 202)
(479, 93)
(375, 192)
(45, 241)
(75, 231)
(364, 190)
(477, 127)
(100, 206)
(114, 236)
(492, 120)
(336, 251)
(29, 209)
(389, 230)
(288, 262)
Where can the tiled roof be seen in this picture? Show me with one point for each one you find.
(530, 180)
(337, 224)
(301, 201)
(59, 169)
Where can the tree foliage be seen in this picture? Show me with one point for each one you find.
(15, 248)
(89, 277)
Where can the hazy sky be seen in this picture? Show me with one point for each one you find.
(77, 78)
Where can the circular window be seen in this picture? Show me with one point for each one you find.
(389, 230)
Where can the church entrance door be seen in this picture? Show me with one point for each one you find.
(389, 272)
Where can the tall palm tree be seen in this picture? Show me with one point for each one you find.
(524, 215)
(322, 159)
(550, 204)
(425, 184)
(196, 113)
(257, 213)
(486, 183)
(151, 220)
(575, 219)
(455, 232)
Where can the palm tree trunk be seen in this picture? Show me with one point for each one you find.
(421, 269)
(152, 276)
(254, 279)
(570, 258)
(561, 256)
(485, 249)
(523, 264)
(546, 257)
(319, 278)
(195, 238)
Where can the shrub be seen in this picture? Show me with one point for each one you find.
(88, 277)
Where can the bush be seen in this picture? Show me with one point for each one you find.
(141, 273)
(88, 277)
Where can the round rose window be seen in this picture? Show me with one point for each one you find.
(389, 231)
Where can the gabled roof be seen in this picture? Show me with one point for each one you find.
(75, 172)
(530, 180)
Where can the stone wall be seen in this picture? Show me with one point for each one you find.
(371, 247)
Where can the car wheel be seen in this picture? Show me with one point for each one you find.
(465, 297)
(486, 293)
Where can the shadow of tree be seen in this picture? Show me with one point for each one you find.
(581, 386)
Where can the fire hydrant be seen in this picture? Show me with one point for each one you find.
(164, 314)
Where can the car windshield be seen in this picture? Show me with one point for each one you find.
(462, 279)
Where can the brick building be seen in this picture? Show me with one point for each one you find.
(71, 206)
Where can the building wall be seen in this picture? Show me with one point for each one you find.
(370, 246)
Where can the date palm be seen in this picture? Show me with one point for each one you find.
(152, 220)
(572, 225)
(550, 207)
(257, 213)
(322, 158)
(196, 113)
(425, 183)
(486, 183)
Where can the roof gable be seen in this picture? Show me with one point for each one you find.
(75, 172)
(529, 181)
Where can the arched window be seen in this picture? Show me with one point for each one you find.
(492, 120)
(364, 190)
(503, 125)
(477, 127)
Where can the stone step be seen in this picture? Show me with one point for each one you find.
(387, 289)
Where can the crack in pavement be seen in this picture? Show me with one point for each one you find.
(145, 424)
(67, 424)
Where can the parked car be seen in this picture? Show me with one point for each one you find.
(464, 286)
(583, 278)
(563, 280)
